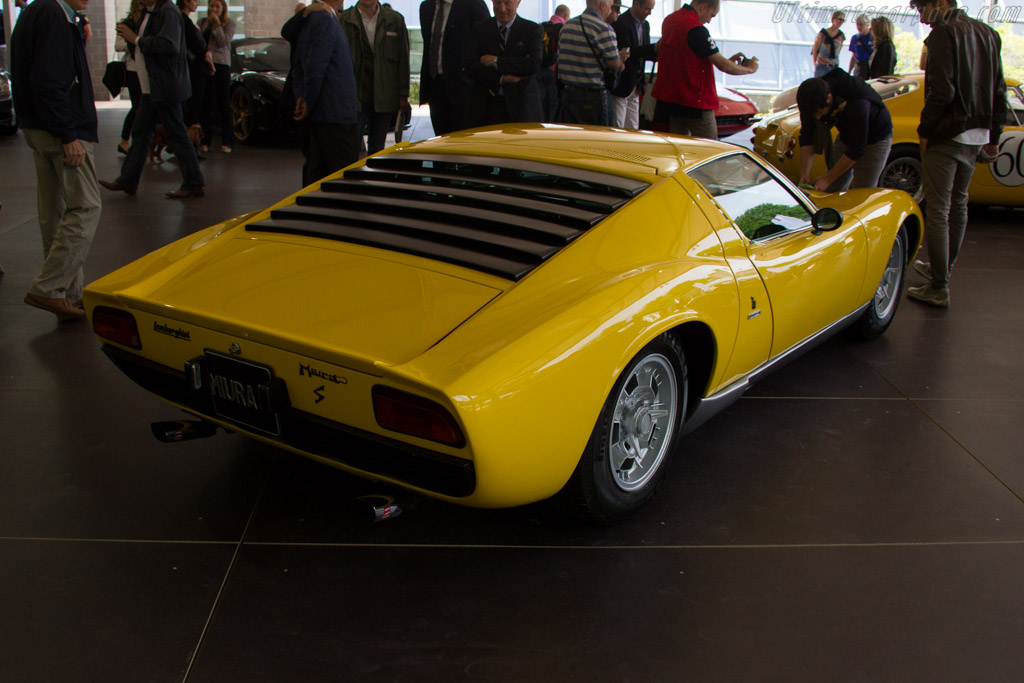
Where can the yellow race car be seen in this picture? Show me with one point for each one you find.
(496, 317)
(776, 138)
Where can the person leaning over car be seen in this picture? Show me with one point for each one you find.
(865, 130)
(962, 119)
(685, 90)
(380, 52)
(53, 98)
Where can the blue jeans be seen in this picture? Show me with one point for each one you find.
(148, 115)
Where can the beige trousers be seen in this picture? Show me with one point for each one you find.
(68, 201)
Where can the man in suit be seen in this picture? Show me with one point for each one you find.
(446, 25)
(633, 31)
(504, 54)
(325, 94)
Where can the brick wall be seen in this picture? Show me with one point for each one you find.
(264, 18)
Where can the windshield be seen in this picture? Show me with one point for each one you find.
(264, 55)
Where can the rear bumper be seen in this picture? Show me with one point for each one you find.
(312, 435)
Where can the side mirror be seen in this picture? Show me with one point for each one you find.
(825, 220)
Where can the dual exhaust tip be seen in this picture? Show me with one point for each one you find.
(370, 508)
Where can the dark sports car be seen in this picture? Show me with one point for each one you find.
(8, 120)
(259, 67)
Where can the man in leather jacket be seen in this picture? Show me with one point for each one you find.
(962, 119)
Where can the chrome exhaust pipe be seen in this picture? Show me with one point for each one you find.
(182, 430)
(379, 507)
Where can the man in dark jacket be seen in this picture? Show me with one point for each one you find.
(325, 94)
(632, 30)
(162, 55)
(446, 25)
(865, 130)
(504, 55)
(53, 99)
(380, 53)
(962, 119)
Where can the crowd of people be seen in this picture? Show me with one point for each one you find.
(350, 76)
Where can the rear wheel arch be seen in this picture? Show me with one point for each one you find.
(915, 233)
(698, 342)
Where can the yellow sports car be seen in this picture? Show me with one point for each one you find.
(776, 139)
(506, 315)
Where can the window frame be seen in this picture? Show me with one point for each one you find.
(805, 201)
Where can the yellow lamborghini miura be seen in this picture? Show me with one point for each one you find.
(497, 317)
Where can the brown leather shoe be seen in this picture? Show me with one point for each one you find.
(59, 307)
(115, 186)
(184, 193)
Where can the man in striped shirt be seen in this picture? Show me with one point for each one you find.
(586, 49)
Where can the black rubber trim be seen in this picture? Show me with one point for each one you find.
(371, 453)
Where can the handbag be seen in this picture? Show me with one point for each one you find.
(114, 77)
(611, 78)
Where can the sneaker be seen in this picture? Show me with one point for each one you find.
(927, 294)
(923, 269)
(225, 149)
(204, 148)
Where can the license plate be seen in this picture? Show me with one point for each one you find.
(244, 392)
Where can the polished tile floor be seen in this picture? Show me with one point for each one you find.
(857, 517)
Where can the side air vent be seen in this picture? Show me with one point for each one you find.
(498, 216)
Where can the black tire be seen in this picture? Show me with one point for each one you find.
(243, 115)
(903, 171)
(611, 482)
(882, 308)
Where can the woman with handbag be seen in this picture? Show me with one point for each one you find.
(131, 79)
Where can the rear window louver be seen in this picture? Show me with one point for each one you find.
(498, 216)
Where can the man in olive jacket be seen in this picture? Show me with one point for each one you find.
(163, 74)
(380, 53)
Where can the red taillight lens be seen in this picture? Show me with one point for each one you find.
(416, 416)
(117, 326)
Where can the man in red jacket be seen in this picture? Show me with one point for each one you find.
(685, 89)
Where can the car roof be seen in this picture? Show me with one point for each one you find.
(500, 201)
(629, 153)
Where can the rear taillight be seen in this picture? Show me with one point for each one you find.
(117, 326)
(416, 416)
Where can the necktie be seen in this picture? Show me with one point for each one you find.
(435, 38)
(502, 33)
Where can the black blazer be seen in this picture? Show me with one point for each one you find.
(640, 52)
(462, 15)
(883, 62)
(520, 56)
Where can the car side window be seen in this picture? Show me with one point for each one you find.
(755, 200)
(1016, 106)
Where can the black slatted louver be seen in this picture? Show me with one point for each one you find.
(498, 216)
